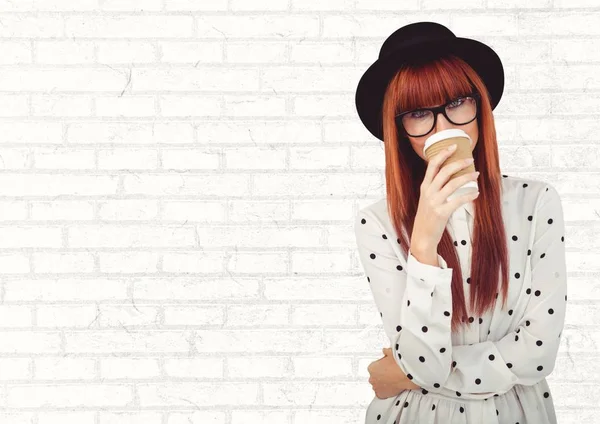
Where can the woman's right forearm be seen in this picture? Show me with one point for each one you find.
(426, 256)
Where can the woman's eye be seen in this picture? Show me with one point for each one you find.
(460, 99)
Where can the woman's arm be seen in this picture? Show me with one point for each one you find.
(528, 354)
(411, 297)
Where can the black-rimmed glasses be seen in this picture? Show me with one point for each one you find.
(459, 111)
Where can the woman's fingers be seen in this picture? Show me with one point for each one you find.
(435, 164)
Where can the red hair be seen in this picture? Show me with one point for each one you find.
(432, 83)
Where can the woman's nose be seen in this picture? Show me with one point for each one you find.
(442, 123)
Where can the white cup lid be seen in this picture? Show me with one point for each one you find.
(442, 135)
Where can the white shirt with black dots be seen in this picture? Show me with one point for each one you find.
(493, 371)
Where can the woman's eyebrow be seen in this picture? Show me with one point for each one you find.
(447, 101)
(427, 107)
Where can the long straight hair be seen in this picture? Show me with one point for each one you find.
(436, 82)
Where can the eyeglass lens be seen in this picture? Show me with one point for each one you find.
(420, 122)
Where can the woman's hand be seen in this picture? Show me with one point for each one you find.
(433, 211)
(387, 377)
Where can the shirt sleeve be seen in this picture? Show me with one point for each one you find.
(414, 300)
(526, 355)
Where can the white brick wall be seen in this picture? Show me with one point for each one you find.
(178, 181)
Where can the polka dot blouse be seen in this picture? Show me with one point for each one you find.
(494, 370)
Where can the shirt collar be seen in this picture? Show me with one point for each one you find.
(469, 208)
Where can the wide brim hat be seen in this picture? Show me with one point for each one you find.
(416, 43)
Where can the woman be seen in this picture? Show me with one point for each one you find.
(502, 253)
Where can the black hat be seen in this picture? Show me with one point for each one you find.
(418, 42)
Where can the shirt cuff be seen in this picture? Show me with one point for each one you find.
(428, 272)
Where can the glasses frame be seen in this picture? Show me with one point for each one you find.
(439, 109)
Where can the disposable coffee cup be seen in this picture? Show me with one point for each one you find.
(439, 142)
